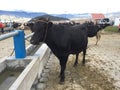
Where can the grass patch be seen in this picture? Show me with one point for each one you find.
(112, 28)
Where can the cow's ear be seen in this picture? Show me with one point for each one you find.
(50, 24)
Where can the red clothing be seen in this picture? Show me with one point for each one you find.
(2, 25)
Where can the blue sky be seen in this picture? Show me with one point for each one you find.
(62, 6)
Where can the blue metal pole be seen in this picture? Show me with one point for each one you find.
(19, 45)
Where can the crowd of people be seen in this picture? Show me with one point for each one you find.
(6, 27)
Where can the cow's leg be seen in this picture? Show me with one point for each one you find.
(98, 37)
(84, 53)
(76, 61)
(63, 61)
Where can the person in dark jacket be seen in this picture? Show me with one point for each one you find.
(2, 27)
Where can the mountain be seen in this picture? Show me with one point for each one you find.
(53, 18)
(113, 15)
(83, 15)
(35, 14)
(21, 13)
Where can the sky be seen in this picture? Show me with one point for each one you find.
(62, 6)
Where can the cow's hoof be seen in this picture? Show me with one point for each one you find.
(61, 82)
(75, 65)
(83, 64)
(59, 76)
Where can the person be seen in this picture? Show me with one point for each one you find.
(2, 27)
(119, 27)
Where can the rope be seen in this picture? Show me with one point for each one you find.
(14, 49)
(12, 52)
(28, 40)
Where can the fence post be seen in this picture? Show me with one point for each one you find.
(19, 45)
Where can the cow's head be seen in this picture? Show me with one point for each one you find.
(103, 26)
(29, 25)
(40, 28)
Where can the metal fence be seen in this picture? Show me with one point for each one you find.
(19, 42)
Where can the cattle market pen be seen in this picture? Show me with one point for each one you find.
(102, 70)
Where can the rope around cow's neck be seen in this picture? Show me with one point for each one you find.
(45, 29)
(45, 33)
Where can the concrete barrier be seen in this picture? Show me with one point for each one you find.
(32, 64)
(12, 62)
(33, 69)
(2, 64)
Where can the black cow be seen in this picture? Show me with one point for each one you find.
(94, 29)
(62, 40)
(17, 25)
(100, 27)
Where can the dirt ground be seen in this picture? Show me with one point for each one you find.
(101, 72)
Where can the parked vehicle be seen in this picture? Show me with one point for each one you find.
(105, 21)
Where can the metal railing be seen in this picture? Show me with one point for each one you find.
(19, 42)
(5, 36)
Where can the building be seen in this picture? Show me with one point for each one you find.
(97, 16)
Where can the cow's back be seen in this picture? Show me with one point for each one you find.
(67, 39)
